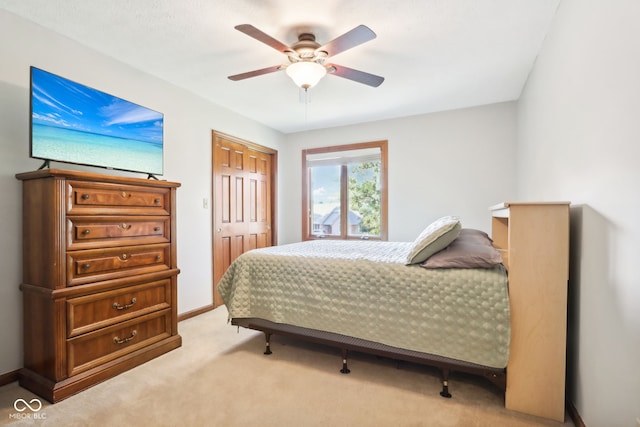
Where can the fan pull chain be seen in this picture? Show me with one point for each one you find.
(305, 97)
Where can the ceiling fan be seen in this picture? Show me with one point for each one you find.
(307, 58)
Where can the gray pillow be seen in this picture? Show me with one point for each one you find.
(437, 236)
(471, 249)
(471, 235)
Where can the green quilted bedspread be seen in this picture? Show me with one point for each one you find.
(364, 289)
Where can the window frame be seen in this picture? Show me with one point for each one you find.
(384, 197)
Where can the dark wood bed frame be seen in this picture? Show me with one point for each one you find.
(445, 365)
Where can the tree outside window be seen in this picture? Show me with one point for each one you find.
(365, 194)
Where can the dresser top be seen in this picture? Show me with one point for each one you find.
(91, 176)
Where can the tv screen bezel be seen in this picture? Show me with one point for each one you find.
(61, 159)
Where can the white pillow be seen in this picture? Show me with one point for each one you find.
(437, 236)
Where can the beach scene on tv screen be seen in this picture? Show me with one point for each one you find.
(77, 124)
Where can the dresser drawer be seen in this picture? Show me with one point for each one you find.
(86, 232)
(91, 312)
(96, 265)
(96, 348)
(108, 198)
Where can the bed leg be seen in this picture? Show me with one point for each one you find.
(345, 369)
(445, 384)
(267, 337)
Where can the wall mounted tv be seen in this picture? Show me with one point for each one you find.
(73, 123)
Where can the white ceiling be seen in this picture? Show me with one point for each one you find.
(435, 55)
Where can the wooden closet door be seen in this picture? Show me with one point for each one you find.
(242, 202)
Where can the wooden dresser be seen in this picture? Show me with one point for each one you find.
(99, 277)
(534, 241)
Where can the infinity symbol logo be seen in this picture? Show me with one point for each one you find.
(21, 405)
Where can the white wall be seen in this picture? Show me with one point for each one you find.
(579, 140)
(451, 163)
(188, 124)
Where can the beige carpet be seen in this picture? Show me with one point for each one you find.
(220, 377)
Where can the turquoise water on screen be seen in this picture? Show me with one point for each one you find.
(73, 146)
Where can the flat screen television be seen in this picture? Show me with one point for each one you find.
(73, 123)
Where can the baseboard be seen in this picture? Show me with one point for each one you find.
(8, 378)
(194, 313)
(574, 415)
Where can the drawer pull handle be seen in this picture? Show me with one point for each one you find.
(156, 229)
(86, 231)
(124, 257)
(117, 340)
(156, 201)
(158, 257)
(85, 197)
(123, 194)
(125, 226)
(86, 266)
(126, 306)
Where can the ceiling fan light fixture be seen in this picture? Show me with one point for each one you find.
(306, 74)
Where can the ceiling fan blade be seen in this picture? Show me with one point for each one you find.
(255, 73)
(355, 75)
(252, 31)
(355, 37)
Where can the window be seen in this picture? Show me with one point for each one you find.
(344, 192)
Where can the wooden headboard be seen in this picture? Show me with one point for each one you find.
(533, 238)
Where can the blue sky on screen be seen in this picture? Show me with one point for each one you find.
(65, 104)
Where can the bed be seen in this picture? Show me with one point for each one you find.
(382, 298)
